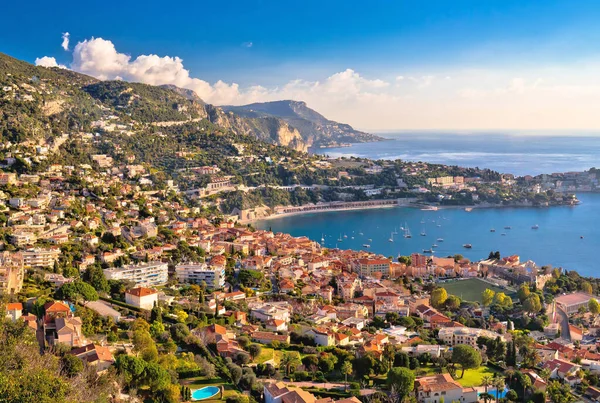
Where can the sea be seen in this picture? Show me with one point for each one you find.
(567, 237)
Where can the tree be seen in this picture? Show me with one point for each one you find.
(453, 302)
(593, 306)
(95, 276)
(586, 287)
(559, 393)
(538, 397)
(499, 385)
(502, 300)
(254, 350)
(525, 381)
(466, 356)
(77, 291)
(523, 292)
(487, 296)
(486, 381)
(402, 380)
(288, 361)
(512, 396)
(346, 370)
(71, 365)
(532, 304)
(438, 297)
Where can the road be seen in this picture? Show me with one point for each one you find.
(563, 319)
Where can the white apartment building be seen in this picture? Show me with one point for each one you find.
(144, 274)
(196, 273)
(38, 257)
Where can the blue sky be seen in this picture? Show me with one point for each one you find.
(314, 40)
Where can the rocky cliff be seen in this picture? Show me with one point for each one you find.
(315, 129)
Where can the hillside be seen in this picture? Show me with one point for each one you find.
(38, 104)
(315, 129)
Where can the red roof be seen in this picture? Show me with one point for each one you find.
(141, 291)
(14, 306)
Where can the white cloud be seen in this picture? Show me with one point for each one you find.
(65, 41)
(552, 97)
(48, 61)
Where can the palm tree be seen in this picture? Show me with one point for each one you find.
(499, 385)
(486, 397)
(545, 374)
(287, 361)
(526, 382)
(509, 373)
(346, 370)
(486, 381)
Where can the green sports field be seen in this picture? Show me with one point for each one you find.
(471, 289)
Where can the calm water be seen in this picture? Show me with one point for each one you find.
(557, 242)
(520, 155)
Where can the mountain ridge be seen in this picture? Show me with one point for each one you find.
(316, 129)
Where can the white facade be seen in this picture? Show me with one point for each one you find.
(146, 274)
(142, 298)
(196, 273)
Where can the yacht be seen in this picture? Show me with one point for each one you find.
(370, 240)
(345, 236)
(360, 233)
(492, 230)
(366, 245)
(467, 246)
(429, 208)
(407, 232)
(440, 239)
(535, 226)
(503, 234)
(427, 251)
(435, 245)
(508, 227)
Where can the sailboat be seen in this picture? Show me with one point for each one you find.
(423, 233)
(322, 238)
(340, 238)
(407, 231)
(391, 237)
(395, 231)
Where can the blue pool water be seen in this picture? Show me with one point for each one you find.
(204, 393)
(501, 394)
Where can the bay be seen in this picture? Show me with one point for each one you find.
(558, 241)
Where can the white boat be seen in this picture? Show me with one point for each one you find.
(391, 237)
(427, 251)
(429, 208)
(345, 236)
(435, 245)
(440, 239)
(467, 246)
(340, 238)
(366, 245)
(395, 231)
(492, 230)
(407, 231)
(322, 238)
(535, 226)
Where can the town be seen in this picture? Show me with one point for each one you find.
(130, 269)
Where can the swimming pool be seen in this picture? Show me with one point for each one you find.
(501, 393)
(204, 393)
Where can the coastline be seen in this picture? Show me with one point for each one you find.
(407, 205)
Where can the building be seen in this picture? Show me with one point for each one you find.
(441, 387)
(98, 356)
(571, 303)
(61, 326)
(141, 297)
(196, 273)
(150, 274)
(39, 257)
(368, 267)
(14, 310)
(465, 335)
(11, 272)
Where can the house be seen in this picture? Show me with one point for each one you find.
(276, 325)
(98, 356)
(268, 337)
(322, 336)
(14, 310)
(563, 370)
(141, 297)
(432, 389)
